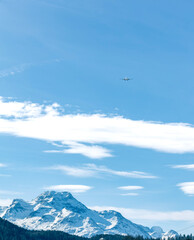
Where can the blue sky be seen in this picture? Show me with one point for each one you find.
(67, 121)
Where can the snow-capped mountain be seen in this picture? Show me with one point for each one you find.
(170, 234)
(61, 211)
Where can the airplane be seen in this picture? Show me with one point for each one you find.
(126, 79)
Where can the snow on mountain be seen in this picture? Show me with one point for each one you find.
(156, 232)
(170, 234)
(61, 211)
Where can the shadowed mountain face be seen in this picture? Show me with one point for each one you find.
(61, 211)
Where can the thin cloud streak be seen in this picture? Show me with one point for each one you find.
(130, 188)
(2, 165)
(5, 175)
(130, 194)
(13, 70)
(186, 166)
(74, 171)
(92, 170)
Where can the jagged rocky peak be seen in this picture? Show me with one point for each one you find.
(52, 196)
(18, 209)
(59, 200)
(19, 204)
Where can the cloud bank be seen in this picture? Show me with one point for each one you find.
(83, 133)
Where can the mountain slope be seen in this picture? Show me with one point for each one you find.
(9, 231)
(61, 211)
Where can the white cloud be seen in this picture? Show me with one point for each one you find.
(70, 188)
(13, 70)
(187, 187)
(74, 171)
(3, 165)
(92, 170)
(5, 202)
(23, 110)
(130, 187)
(88, 151)
(186, 166)
(144, 214)
(83, 133)
(130, 194)
(129, 174)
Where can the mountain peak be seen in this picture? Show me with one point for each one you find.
(53, 210)
(54, 194)
(58, 201)
(170, 234)
(156, 232)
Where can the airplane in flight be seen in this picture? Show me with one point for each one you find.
(126, 79)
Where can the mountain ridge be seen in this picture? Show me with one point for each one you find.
(61, 211)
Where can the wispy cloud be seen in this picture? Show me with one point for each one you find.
(83, 133)
(88, 151)
(2, 165)
(74, 171)
(186, 166)
(71, 188)
(144, 214)
(130, 194)
(92, 170)
(187, 188)
(13, 70)
(5, 175)
(5, 202)
(130, 188)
